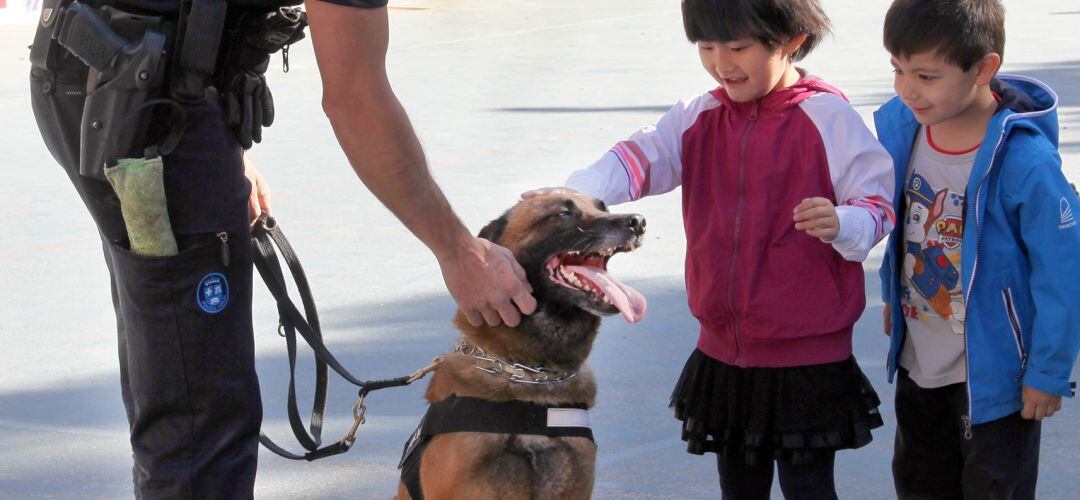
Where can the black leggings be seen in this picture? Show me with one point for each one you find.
(813, 481)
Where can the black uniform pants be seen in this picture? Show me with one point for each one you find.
(933, 460)
(184, 331)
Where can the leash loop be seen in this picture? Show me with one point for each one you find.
(265, 236)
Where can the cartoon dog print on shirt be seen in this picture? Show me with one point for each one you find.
(929, 233)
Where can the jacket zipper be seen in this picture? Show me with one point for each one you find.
(738, 222)
(966, 419)
(974, 270)
(1018, 334)
(224, 237)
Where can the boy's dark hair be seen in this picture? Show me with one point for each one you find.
(961, 31)
(768, 21)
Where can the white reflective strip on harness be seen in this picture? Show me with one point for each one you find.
(568, 417)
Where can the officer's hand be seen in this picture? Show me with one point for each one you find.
(546, 191)
(1038, 405)
(259, 198)
(817, 216)
(888, 321)
(488, 284)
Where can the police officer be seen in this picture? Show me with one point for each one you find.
(184, 329)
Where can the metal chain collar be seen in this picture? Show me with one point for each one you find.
(514, 371)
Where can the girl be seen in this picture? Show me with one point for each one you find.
(784, 193)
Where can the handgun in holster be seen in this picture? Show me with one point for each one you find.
(126, 54)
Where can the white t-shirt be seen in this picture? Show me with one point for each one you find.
(931, 285)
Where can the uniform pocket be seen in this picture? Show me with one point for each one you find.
(188, 319)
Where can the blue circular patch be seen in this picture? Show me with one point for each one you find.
(212, 295)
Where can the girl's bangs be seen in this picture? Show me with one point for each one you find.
(723, 22)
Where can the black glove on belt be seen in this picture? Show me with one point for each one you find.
(249, 105)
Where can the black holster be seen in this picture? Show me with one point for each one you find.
(126, 56)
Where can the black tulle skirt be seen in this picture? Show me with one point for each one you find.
(761, 414)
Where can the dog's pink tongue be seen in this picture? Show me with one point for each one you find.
(627, 300)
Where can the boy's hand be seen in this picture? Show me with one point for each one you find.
(1038, 405)
(817, 216)
(888, 322)
(545, 191)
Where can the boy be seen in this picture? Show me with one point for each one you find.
(980, 273)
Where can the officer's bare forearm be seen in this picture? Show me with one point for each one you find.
(384, 152)
(371, 125)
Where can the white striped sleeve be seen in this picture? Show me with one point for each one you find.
(648, 163)
(862, 175)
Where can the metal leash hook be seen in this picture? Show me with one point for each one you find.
(358, 418)
(421, 373)
(360, 408)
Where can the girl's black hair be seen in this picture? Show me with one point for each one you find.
(768, 21)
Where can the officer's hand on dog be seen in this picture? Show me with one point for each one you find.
(545, 191)
(488, 283)
(259, 198)
(817, 216)
(1038, 405)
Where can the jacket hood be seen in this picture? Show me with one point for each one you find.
(780, 99)
(1031, 103)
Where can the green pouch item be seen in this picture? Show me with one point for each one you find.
(140, 185)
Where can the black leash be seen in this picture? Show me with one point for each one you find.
(264, 237)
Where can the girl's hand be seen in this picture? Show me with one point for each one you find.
(817, 216)
(545, 191)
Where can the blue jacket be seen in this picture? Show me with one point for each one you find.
(1020, 261)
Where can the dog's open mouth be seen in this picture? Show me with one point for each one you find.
(586, 273)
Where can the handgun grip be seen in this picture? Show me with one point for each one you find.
(87, 36)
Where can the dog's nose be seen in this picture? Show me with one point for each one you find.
(636, 224)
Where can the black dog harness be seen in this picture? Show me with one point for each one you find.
(465, 414)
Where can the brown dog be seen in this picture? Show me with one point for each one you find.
(472, 443)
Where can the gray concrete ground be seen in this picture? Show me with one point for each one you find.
(506, 96)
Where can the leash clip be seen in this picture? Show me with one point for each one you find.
(358, 418)
(421, 373)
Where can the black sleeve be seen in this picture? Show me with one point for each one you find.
(364, 4)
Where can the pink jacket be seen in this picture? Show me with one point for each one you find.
(765, 294)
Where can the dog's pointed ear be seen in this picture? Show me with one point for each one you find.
(494, 230)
